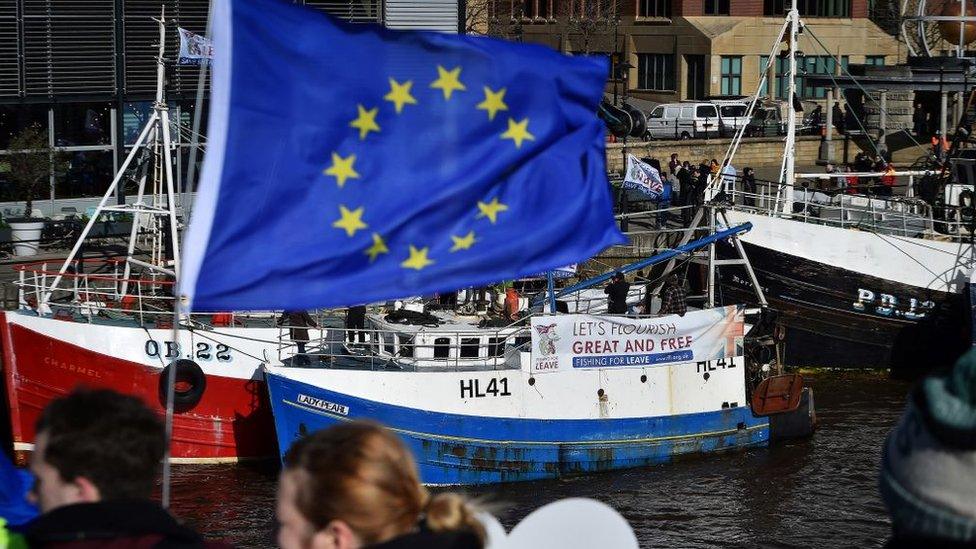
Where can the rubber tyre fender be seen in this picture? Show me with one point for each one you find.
(192, 374)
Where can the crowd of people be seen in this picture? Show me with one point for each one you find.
(688, 182)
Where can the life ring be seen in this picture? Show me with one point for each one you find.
(190, 384)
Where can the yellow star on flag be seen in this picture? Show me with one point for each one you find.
(448, 81)
(494, 102)
(342, 168)
(491, 209)
(350, 220)
(417, 260)
(400, 94)
(365, 122)
(463, 242)
(518, 132)
(378, 247)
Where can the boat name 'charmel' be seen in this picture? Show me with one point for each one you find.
(323, 405)
(589, 328)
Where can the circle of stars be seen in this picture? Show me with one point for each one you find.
(400, 96)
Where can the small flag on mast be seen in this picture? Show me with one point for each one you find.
(351, 164)
(194, 48)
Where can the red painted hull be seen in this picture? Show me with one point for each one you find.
(231, 421)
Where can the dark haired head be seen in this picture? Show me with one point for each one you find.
(113, 440)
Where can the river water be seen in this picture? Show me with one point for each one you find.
(820, 492)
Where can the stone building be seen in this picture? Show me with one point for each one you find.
(690, 49)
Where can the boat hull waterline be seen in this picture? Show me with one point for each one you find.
(506, 425)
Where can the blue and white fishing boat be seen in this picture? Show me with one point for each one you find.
(549, 396)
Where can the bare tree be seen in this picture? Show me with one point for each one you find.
(588, 21)
(480, 15)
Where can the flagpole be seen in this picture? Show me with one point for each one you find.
(551, 286)
(197, 113)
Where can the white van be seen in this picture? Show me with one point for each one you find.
(733, 115)
(684, 121)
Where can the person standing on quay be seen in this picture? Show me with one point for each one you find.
(919, 117)
(749, 186)
(95, 462)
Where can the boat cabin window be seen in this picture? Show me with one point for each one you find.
(706, 111)
(442, 347)
(406, 346)
(388, 344)
(657, 113)
(522, 343)
(470, 347)
(496, 346)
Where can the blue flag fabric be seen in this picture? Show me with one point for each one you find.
(350, 164)
(14, 485)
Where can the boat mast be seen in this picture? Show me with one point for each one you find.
(154, 139)
(787, 175)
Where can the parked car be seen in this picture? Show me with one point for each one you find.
(684, 121)
(769, 119)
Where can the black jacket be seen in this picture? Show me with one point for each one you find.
(117, 524)
(425, 539)
(617, 296)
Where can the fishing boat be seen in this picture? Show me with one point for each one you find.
(545, 396)
(861, 281)
(108, 323)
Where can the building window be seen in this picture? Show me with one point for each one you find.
(875, 60)
(533, 9)
(655, 71)
(716, 7)
(732, 75)
(592, 9)
(654, 8)
(763, 59)
(809, 8)
(82, 124)
(813, 64)
(816, 64)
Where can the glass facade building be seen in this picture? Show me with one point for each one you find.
(85, 71)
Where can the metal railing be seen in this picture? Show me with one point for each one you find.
(899, 216)
(379, 349)
(92, 290)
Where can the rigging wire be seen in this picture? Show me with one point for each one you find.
(860, 87)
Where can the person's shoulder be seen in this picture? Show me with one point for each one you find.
(122, 521)
(425, 539)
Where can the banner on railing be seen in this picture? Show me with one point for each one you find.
(565, 342)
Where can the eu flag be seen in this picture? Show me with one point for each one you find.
(350, 164)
